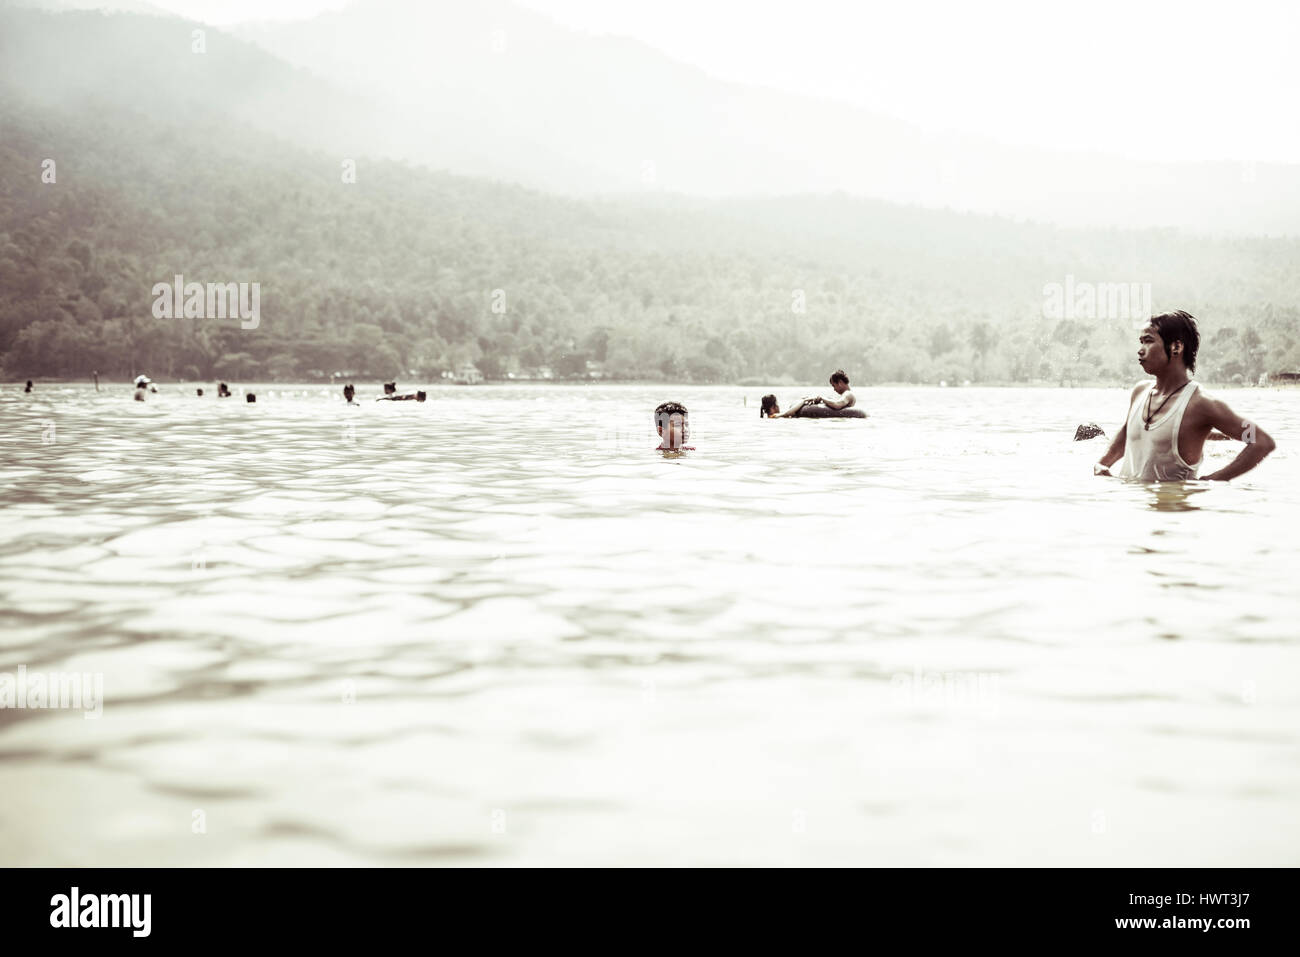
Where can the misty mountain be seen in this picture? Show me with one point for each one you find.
(168, 162)
(148, 65)
(495, 90)
(491, 87)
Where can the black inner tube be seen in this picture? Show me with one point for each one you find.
(821, 412)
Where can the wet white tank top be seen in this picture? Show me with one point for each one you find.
(1151, 455)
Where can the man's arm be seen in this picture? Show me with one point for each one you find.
(1116, 450)
(1113, 454)
(843, 403)
(1258, 442)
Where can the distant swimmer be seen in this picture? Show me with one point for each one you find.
(223, 390)
(250, 397)
(407, 397)
(390, 388)
(29, 386)
(142, 384)
(349, 394)
(844, 400)
(1163, 438)
(200, 391)
(673, 422)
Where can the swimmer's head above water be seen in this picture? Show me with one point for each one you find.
(673, 423)
(769, 407)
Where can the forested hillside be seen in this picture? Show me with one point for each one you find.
(408, 272)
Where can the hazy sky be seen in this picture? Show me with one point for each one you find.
(1145, 79)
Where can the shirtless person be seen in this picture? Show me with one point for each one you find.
(840, 383)
(1169, 420)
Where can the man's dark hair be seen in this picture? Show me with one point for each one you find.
(769, 402)
(1179, 326)
(839, 374)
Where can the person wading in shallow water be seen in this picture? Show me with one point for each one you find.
(1163, 439)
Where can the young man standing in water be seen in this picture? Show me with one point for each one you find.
(1163, 439)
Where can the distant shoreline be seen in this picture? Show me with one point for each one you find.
(414, 384)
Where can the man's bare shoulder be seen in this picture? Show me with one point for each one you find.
(1206, 413)
(1203, 404)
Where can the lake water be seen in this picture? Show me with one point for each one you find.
(497, 628)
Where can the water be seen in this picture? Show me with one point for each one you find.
(497, 628)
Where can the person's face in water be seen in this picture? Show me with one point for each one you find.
(672, 430)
